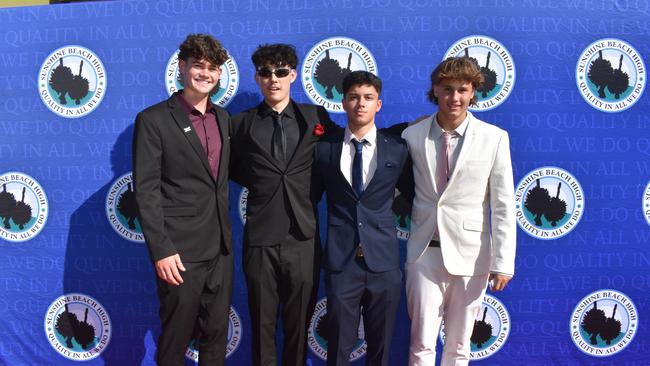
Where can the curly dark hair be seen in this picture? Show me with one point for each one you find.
(203, 47)
(278, 54)
(459, 68)
(361, 77)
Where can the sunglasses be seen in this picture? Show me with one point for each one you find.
(266, 72)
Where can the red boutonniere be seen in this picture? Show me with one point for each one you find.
(319, 130)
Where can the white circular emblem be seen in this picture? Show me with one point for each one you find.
(72, 81)
(402, 212)
(327, 63)
(234, 337)
(221, 95)
(122, 209)
(243, 198)
(78, 327)
(317, 334)
(604, 323)
(491, 329)
(23, 207)
(645, 203)
(496, 65)
(549, 203)
(610, 75)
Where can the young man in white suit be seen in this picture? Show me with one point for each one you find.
(463, 220)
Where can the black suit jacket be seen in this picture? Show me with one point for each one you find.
(368, 217)
(278, 195)
(182, 208)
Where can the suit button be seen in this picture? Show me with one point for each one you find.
(360, 224)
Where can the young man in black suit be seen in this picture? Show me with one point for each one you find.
(359, 169)
(181, 151)
(273, 147)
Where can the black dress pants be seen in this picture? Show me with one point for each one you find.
(202, 299)
(283, 276)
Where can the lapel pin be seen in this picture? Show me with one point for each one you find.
(187, 129)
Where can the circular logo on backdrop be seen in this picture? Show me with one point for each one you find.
(496, 66)
(318, 334)
(402, 211)
(243, 198)
(327, 63)
(491, 329)
(78, 327)
(549, 203)
(604, 323)
(72, 81)
(234, 337)
(122, 209)
(646, 203)
(221, 95)
(23, 207)
(610, 75)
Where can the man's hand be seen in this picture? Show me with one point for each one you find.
(168, 269)
(498, 281)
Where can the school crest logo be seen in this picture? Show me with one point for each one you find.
(72, 81)
(243, 198)
(549, 203)
(234, 337)
(327, 63)
(402, 212)
(78, 327)
(318, 334)
(221, 95)
(23, 207)
(122, 209)
(646, 203)
(491, 329)
(496, 65)
(610, 75)
(604, 323)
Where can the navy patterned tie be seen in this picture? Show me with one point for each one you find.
(357, 167)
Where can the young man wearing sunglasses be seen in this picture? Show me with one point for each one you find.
(272, 146)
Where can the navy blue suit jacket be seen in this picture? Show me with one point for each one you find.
(367, 218)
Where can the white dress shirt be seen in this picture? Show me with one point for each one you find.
(435, 141)
(434, 145)
(368, 154)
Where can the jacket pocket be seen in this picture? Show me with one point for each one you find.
(179, 211)
(473, 225)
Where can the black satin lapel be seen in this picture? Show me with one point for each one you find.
(188, 130)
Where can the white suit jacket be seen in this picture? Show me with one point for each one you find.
(476, 212)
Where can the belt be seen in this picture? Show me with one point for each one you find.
(359, 251)
(434, 244)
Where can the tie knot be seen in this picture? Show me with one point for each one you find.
(358, 145)
(447, 135)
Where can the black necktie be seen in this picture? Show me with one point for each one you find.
(357, 167)
(279, 147)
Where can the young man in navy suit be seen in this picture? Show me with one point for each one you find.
(359, 169)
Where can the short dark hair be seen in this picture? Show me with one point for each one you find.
(203, 47)
(361, 77)
(458, 68)
(278, 54)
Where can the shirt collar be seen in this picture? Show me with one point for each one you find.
(370, 137)
(458, 131)
(266, 110)
(189, 109)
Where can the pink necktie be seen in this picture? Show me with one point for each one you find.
(442, 166)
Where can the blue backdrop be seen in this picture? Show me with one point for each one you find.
(76, 284)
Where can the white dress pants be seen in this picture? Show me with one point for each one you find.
(433, 295)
